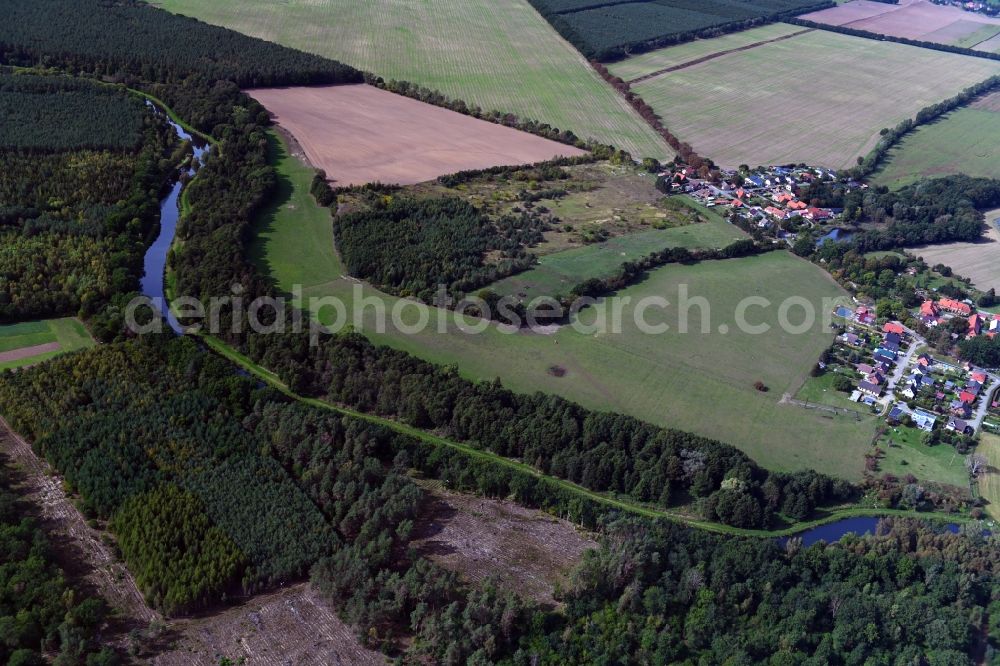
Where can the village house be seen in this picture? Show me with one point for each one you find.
(958, 425)
(893, 328)
(869, 388)
(955, 307)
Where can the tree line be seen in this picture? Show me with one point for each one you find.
(855, 32)
(870, 163)
(640, 26)
(131, 39)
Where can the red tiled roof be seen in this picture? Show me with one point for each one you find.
(955, 306)
(892, 327)
(966, 397)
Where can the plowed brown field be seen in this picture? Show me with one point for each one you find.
(359, 134)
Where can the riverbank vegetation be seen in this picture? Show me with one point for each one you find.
(83, 167)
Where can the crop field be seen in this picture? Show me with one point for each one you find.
(359, 134)
(36, 341)
(497, 55)
(675, 56)
(979, 262)
(914, 19)
(694, 381)
(836, 93)
(963, 141)
(989, 483)
(557, 273)
(609, 30)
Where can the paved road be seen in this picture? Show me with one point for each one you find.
(985, 399)
(900, 370)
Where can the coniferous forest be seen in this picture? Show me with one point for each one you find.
(216, 486)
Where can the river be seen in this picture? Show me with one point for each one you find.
(155, 261)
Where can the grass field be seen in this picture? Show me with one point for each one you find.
(51, 337)
(820, 390)
(989, 483)
(702, 383)
(499, 55)
(652, 61)
(905, 454)
(818, 97)
(964, 141)
(557, 273)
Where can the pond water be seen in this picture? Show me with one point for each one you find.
(155, 262)
(845, 312)
(834, 531)
(837, 234)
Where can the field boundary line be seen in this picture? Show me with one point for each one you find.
(713, 56)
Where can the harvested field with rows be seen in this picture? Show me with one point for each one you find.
(915, 19)
(817, 97)
(359, 134)
(498, 55)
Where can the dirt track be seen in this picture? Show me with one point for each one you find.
(28, 352)
(713, 56)
(360, 134)
(80, 547)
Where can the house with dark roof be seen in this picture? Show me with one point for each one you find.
(870, 388)
(958, 425)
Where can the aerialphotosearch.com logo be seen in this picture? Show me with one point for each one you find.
(682, 313)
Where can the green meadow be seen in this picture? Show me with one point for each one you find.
(697, 381)
(964, 141)
(68, 332)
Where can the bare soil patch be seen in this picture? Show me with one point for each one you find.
(28, 352)
(289, 626)
(912, 19)
(359, 134)
(528, 550)
(81, 549)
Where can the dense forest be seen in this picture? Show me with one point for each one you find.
(663, 594)
(216, 487)
(411, 247)
(78, 196)
(40, 612)
(57, 113)
(128, 38)
(609, 30)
